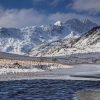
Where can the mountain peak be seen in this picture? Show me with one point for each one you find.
(58, 23)
(23, 40)
(85, 21)
(73, 20)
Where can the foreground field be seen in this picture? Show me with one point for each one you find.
(76, 66)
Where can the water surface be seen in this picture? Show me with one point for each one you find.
(44, 89)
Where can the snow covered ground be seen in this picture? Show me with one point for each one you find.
(16, 70)
(61, 73)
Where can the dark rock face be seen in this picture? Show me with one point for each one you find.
(80, 26)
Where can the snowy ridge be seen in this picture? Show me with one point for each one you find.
(22, 41)
(53, 48)
(88, 42)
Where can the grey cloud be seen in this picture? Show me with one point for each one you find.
(92, 6)
(29, 17)
(20, 18)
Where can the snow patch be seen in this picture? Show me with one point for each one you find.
(16, 70)
(58, 23)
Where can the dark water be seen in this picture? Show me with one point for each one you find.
(44, 89)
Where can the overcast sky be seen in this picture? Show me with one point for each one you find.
(22, 13)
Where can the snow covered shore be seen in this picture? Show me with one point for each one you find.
(60, 73)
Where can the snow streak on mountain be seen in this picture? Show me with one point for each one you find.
(86, 43)
(60, 34)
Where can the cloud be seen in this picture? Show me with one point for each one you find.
(20, 18)
(29, 17)
(92, 6)
(65, 16)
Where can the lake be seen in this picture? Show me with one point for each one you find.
(44, 89)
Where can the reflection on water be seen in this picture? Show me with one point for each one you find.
(44, 89)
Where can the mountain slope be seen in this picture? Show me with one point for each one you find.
(22, 41)
(53, 48)
(88, 42)
(81, 26)
(91, 38)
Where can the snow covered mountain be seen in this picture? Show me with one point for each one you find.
(90, 39)
(87, 43)
(53, 48)
(22, 41)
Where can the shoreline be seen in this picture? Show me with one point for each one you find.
(64, 73)
(42, 76)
